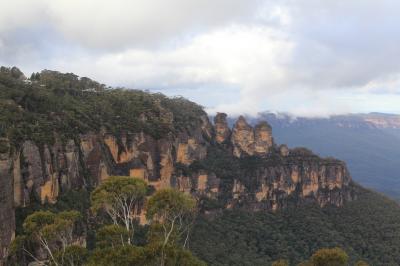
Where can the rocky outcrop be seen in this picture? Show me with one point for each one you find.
(249, 141)
(271, 178)
(284, 150)
(200, 184)
(325, 181)
(32, 166)
(167, 142)
(222, 131)
(242, 138)
(263, 138)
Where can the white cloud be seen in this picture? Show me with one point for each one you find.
(20, 14)
(308, 57)
(123, 23)
(250, 58)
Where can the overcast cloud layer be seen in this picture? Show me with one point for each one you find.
(306, 57)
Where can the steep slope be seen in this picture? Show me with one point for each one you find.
(368, 143)
(62, 133)
(367, 228)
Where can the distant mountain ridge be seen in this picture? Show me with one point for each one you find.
(359, 120)
(369, 143)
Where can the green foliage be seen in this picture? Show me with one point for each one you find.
(168, 203)
(38, 220)
(119, 256)
(69, 105)
(120, 197)
(109, 193)
(280, 263)
(17, 247)
(171, 214)
(71, 200)
(78, 200)
(361, 263)
(53, 232)
(111, 236)
(367, 228)
(305, 263)
(49, 225)
(330, 257)
(133, 255)
(182, 257)
(72, 255)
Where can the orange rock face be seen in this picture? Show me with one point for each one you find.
(138, 173)
(120, 155)
(243, 138)
(263, 138)
(222, 131)
(176, 160)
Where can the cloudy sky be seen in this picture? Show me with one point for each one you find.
(307, 57)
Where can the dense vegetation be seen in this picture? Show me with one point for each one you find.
(59, 238)
(54, 103)
(367, 228)
(51, 104)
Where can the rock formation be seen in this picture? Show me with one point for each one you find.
(242, 138)
(238, 167)
(222, 131)
(249, 141)
(263, 138)
(45, 172)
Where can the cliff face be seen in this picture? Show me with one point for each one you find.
(44, 172)
(232, 168)
(222, 131)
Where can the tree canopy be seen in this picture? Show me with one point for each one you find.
(121, 198)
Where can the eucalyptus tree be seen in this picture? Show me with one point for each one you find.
(53, 232)
(171, 213)
(121, 199)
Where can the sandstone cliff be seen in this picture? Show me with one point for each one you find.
(223, 167)
(274, 175)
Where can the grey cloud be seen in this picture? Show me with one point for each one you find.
(116, 24)
(302, 55)
(345, 44)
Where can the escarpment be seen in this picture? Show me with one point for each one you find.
(263, 173)
(171, 144)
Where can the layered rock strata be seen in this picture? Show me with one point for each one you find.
(44, 172)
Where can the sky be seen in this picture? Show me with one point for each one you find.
(305, 57)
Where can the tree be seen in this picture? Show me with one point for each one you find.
(72, 256)
(120, 197)
(171, 213)
(329, 257)
(361, 263)
(119, 256)
(53, 232)
(305, 263)
(111, 236)
(181, 257)
(280, 263)
(17, 250)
